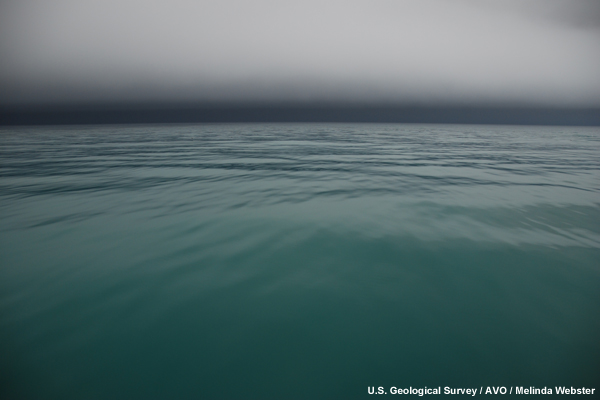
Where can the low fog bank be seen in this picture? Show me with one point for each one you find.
(81, 114)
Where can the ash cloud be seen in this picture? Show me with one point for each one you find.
(418, 52)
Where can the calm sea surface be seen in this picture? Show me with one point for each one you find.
(283, 261)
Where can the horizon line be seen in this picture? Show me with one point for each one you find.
(102, 113)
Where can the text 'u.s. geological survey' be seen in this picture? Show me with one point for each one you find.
(483, 390)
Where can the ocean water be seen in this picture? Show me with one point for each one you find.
(296, 261)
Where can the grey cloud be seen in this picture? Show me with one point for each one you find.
(378, 50)
(581, 14)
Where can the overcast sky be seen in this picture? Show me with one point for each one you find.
(540, 52)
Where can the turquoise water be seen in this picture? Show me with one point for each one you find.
(310, 261)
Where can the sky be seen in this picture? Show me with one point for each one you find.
(522, 52)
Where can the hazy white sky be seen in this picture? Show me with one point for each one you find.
(484, 51)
